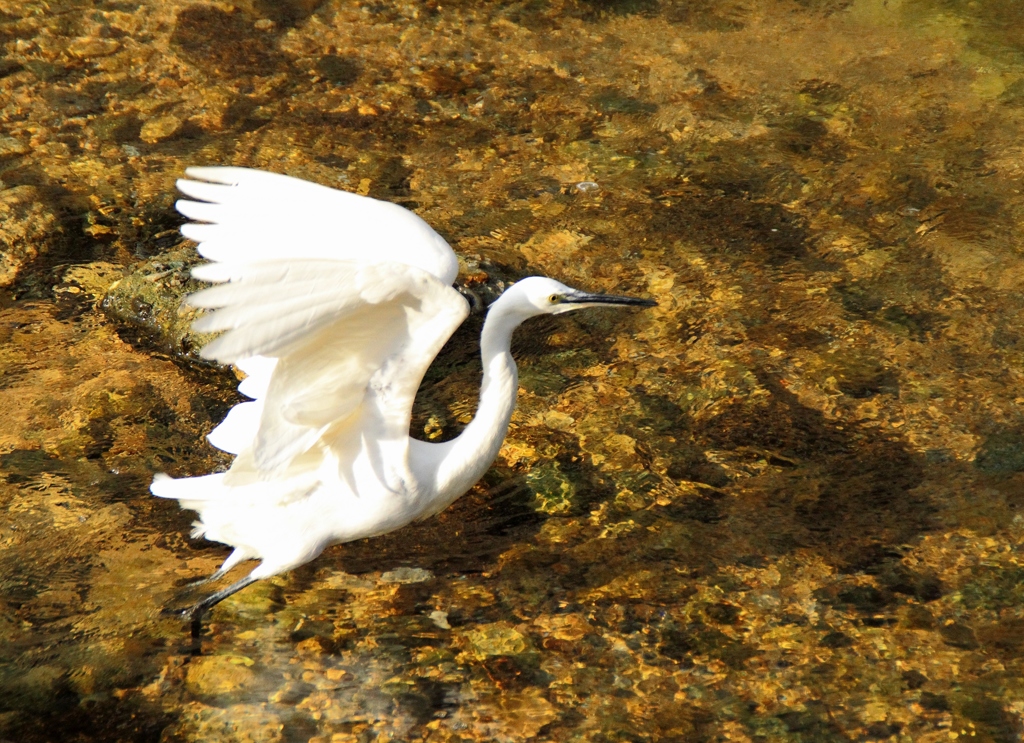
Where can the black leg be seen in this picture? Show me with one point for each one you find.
(195, 613)
(203, 581)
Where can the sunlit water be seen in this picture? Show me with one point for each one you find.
(781, 506)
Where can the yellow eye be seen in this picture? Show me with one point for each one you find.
(554, 299)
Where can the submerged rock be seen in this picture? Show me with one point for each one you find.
(240, 722)
(218, 675)
(498, 638)
(406, 575)
(161, 128)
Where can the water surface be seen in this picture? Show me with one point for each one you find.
(782, 506)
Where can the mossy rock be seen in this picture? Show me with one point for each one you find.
(150, 302)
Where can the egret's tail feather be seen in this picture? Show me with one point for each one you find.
(250, 518)
(188, 488)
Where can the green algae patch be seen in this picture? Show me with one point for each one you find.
(1001, 453)
(554, 492)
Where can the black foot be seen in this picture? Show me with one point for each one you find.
(194, 614)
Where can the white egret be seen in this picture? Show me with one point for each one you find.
(334, 305)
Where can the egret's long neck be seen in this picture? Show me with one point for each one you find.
(469, 455)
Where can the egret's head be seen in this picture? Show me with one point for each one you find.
(538, 295)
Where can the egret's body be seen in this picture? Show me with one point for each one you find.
(334, 305)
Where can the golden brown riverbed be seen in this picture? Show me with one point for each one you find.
(784, 505)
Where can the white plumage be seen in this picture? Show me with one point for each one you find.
(333, 305)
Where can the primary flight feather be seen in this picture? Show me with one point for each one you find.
(334, 305)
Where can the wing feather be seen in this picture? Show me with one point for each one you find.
(202, 211)
(258, 370)
(215, 273)
(212, 192)
(253, 215)
(236, 430)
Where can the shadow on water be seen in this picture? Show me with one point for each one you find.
(845, 491)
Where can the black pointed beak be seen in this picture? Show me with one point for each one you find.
(612, 299)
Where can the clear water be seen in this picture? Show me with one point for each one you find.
(781, 506)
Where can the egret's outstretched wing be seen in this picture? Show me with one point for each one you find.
(252, 216)
(351, 343)
(328, 293)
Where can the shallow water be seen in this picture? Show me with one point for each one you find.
(784, 505)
